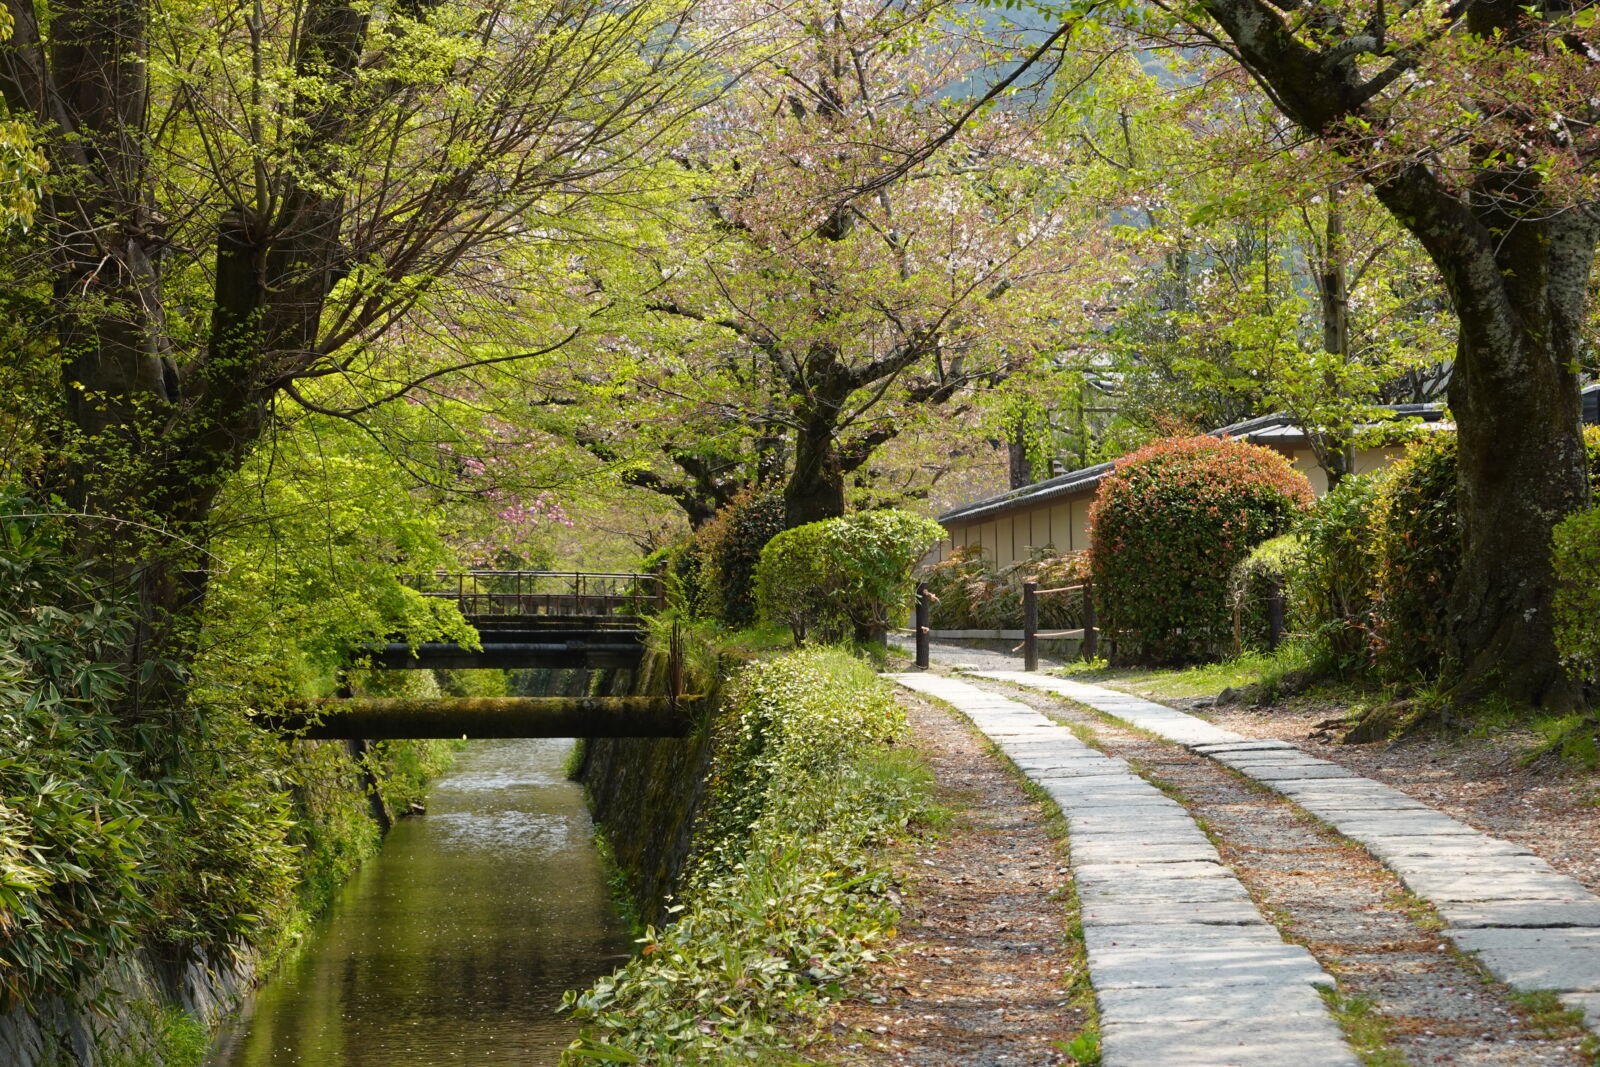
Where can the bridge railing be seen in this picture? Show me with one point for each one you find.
(513, 593)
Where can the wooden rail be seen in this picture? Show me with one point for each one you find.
(378, 718)
(1030, 622)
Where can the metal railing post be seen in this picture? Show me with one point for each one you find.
(1091, 635)
(1030, 626)
(921, 623)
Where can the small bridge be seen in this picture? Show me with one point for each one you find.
(525, 619)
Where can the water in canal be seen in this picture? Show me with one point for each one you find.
(454, 944)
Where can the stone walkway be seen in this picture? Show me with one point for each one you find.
(1529, 925)
(1185, 968)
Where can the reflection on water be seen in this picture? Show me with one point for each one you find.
(453, 945)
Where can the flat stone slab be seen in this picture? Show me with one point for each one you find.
(1181, 937)
(1165, 891)
(1240, 1002)
(1364, 824)
(1131, 805)
(1095, 825)
(1094, 873)
(1268, 745)
(1562, 940)
(1118, 849)
(1564, 970)
(1158, 911)
(1549, 914)
(1471, 887)
(1458, 847)
(1588, 1003)
(1266, 1041)
(1327, 804)
(1295, 772)
(1203, 967)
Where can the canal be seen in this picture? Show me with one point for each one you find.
(454, 944)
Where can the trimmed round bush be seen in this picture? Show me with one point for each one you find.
(1166, 530)
(1417, 551)
(851, 571)
(1576, 549)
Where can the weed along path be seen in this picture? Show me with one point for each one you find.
(1185, 968)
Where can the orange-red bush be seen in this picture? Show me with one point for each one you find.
(1167, 528)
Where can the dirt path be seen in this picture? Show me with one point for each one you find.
(984, 972)
(1350, 911)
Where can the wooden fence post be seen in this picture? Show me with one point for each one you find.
(920, 622)
(1274, 616)
(1030, 626)
(1091, 636)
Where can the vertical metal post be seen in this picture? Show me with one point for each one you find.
(1274, 616)
(1030, 626)
(921, 622)
(1091, 635)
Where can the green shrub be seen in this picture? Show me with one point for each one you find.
(1417, 551)
(1576, 548)
(1261, 574)
(728, 549)
(78, 821)
(851, 571)
(1166, 530)
(787, 903)
(1331, 587)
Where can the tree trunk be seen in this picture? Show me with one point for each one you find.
(1018, 466)
(1332, 447)
(815, 490)
(1522, 468)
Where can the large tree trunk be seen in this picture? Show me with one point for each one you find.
(1519, 279)
(1522, 467)
(815, 490)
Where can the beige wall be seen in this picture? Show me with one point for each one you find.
(1367, 460)
(1013, 535)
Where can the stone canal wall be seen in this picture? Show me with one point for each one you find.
(644, 792)
(140, 1010)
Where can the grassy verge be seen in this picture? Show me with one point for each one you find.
(1206, 679)
(786, 901)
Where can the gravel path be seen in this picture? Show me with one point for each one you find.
(983, 972)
